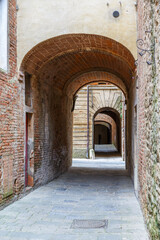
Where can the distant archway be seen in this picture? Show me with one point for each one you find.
(112, 117)
(106, 119)
(102, 133)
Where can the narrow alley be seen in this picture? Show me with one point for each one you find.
(88, 191)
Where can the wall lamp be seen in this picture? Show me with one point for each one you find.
(149, 63)
(143, 51)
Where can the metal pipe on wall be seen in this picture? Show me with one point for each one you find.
(87, 154)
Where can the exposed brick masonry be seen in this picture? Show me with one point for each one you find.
(11, 118)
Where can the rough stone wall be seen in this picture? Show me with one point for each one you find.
(99, 97)
(52, 132)
(149, 120)
(11, 118)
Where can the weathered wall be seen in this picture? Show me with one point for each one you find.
(52, 131)
(148, 111)
(11, 118)
(38, 21)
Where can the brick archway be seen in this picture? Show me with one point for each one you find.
(59, 61)
(112, 116)
(107, 119)
(57, 69)
(107, 109)
(102, 133)
(95, 76)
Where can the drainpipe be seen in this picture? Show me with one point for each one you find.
(87, 155)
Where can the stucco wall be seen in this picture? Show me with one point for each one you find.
(39, 20)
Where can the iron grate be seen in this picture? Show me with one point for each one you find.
(90, 223)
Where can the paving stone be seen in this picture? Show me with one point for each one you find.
(110, 237)
(48, 212)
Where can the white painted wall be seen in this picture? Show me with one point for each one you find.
(3, 34)
(39, 20)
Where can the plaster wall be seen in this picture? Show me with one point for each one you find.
(39, 20)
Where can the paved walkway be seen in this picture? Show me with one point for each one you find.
(105, 148)
(109, 163)
(48, 212)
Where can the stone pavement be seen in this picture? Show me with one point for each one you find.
(105, 148)
(110, 163)
(47, 213)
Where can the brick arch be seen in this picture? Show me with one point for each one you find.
(107, 119)
(115, 115)
(107, 109)
(59, 59)
(104, 123)
(71, 87)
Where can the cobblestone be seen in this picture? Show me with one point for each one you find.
(82, 193)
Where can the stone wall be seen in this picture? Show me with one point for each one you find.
(11, 117)
(149, 121)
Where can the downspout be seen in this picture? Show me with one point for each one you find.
(87, 154)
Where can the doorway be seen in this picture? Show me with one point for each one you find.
(29, 158)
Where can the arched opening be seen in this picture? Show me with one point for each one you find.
(98, 120)
(102, 136)
(114, 135)
(58, 68)
(106, 119)
(101, 104)
(113, 117)
(102, 133)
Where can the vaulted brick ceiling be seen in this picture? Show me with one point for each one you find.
(101, 117)
(74, 84)
(60, 59)
(113, 113)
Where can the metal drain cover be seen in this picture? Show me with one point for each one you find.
(90, 223)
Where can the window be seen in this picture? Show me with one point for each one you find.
(3, 34)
